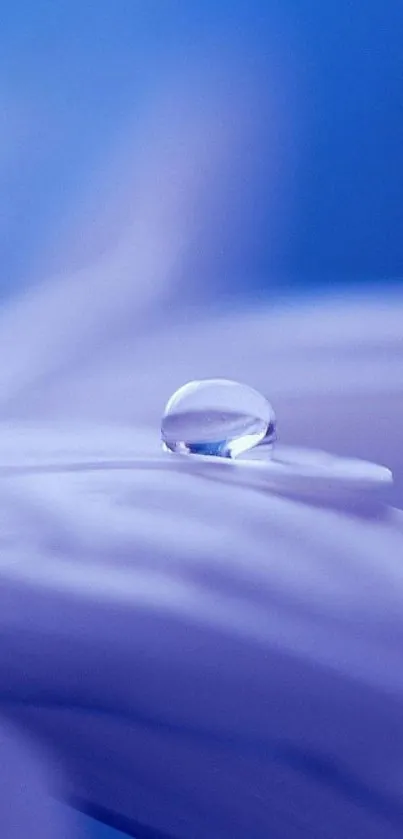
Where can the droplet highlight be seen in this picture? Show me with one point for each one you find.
(217, 417)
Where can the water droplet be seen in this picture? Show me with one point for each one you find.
(217, 417)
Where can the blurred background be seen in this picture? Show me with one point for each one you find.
(307, 97)
(286, 114)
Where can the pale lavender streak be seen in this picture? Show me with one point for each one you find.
(197, 656)
(27, 774)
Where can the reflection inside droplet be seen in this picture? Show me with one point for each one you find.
(217, 417)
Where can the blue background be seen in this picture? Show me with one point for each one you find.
(78, 69)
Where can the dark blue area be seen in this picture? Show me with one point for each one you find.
(91, 63)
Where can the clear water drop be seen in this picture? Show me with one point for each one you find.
(217, 417)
